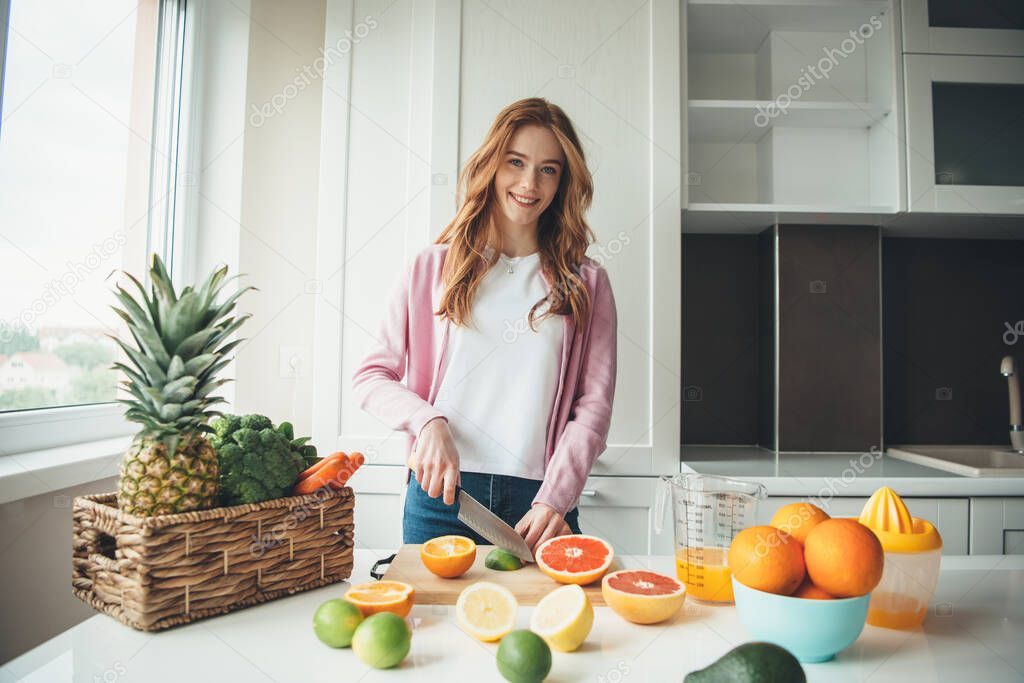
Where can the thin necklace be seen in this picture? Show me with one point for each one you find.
(508, 264)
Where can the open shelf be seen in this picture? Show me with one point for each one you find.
(741, 27)
(748, 120)
(787, 112)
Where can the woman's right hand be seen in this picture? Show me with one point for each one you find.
(435, 462)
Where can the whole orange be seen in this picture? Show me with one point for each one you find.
(767, 559)
(809, 591)
(797, 519)
(844, 558)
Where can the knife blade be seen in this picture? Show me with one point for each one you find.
(481, 520)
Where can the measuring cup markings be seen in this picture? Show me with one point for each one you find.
(707, 513)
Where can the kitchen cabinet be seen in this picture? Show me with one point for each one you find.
(963, 133)
(997, 526)
(416, 98)
(993, 27)
(791, 108)
(621, 510)
(949, 515)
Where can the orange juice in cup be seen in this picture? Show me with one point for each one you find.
(705, 574)
(707, 512)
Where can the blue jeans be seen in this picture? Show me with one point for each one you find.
(508, 497)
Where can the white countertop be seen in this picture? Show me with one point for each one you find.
(839, 474)
(975, 627)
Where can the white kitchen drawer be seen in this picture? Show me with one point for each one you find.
(949, 515)
(997, 526)
(621, 510)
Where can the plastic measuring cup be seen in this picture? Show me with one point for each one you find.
(707, 513)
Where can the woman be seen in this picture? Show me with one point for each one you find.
(506, 335)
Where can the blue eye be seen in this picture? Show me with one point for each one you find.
(549, 170)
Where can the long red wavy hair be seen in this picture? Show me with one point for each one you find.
(563, 234)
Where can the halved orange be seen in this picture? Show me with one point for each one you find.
(448, 556)
(382, 596)
(574, 558)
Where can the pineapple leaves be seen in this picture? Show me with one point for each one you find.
(195, 343)
(182, 321)
(179, 390)
(199, 364)
(154, 313)
(181, 343)
(154, 374)
(175, 369)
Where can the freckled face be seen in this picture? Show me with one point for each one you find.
(528, 174)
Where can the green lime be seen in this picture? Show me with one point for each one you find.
(502, 560)
(335, 621)
(524, 657)
(382, 640)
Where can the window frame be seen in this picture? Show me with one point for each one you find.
(5, 25)
(35, 429)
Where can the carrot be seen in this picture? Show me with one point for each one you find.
(321, 478)
(315, 467)
(357, 458)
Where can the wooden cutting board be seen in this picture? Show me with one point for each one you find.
(528, 584)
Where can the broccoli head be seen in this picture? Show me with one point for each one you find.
(257, 461)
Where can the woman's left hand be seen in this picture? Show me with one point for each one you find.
(541, 523)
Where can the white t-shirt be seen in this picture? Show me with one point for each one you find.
(500, 377)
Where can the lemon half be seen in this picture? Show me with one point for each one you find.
(563, 618)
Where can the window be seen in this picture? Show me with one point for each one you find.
(88, 103)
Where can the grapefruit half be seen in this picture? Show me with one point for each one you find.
(575, 558)
(642, 596)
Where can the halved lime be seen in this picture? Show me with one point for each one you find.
(502, 560)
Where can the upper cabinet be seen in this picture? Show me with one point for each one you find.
(792, 106)
(955, 27)
(964, 73)
(964, 142)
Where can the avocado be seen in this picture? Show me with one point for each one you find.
(751, 663)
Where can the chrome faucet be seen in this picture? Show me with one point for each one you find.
(1008, 368)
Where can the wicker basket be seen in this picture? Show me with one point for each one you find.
(156, 572)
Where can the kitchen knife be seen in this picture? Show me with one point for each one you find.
(481, 520)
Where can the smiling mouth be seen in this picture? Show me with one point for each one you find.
(525, 202)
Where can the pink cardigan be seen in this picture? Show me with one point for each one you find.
(411, 344)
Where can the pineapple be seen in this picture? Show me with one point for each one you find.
(179, 349)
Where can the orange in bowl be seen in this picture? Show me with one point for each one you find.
(808, 591)
(797, 519)
(448, 556)
(844, 558)
(767, 559)
(382, 596)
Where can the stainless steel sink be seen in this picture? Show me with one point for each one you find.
(967, 461)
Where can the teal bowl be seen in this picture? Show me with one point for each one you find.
(813, 630)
